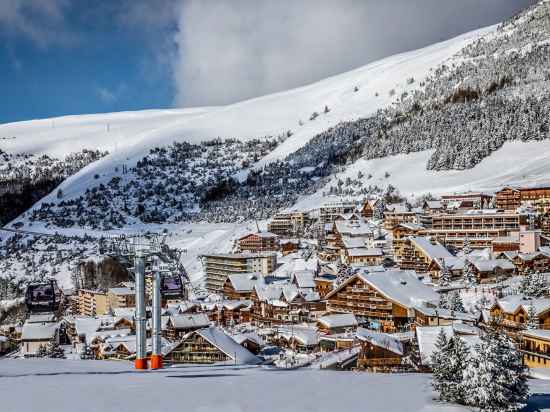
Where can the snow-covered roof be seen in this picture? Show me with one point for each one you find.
(363, 251)
(253, 336)
(245, 282)
(397, 208)
(266, 235)
(229, 346)
(434, 204)
(432, 249)
(382, 340)
(190, 320)
(305, 335)
(512, 303)
(41, 318)
(121, 291)
(338, 320)
(353, 228)
(489, 265)
(353, 242)
(446, 313)
(537, 333)
(304, 279)
(39, 331)
(401, 286)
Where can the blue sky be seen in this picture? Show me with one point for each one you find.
(60, 57)
(85, 56)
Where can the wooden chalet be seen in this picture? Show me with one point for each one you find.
(337, 323)
(380, 352)
(528, 262)
(512, 312)
(324, 283)
(210, 345)
(417, 253)
(535, 347)
(259, 242)
(386, 298)
(179, 325)
(240, 285)
(288, 246)
(283, 304)
(398, 213)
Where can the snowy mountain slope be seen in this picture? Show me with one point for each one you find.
(131, 134)
(516, 163)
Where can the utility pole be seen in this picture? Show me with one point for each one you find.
(156, 356)
(141, 320)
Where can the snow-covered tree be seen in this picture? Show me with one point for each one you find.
(532, 318)
(444, 275)
(53, 350)
(448, 362)
(495, 378)
(469, 274)
(455, 302)
(534, 285)
(466, 249)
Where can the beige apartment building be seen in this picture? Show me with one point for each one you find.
(218, 267)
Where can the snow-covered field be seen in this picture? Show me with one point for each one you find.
(64, 385)
(516, 163)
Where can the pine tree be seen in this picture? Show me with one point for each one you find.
(86, 352)
(468, 274)
(440, 364)
(457, 354)
(42, 352)
(466, 249)
(495, 378)
(53, 350)
(534, 285)
(455, 303)
(444, 301)
(532, 318)
(445, 275)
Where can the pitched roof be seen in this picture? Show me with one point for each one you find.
(245, 282)
(305, 335)
(39, 331)
(353, 242)
(190, 321)
(432, 250)
(363, 251)
(512, 303)
(382, 340)
(304, 279)
(338, 320)
(228, 345)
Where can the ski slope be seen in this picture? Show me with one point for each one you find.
(515, 163)
(128, 136)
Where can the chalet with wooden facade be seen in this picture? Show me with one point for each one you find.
(398, 213)
(535, 347)
(380, 352)
(417, 253)
(210, 345)
(178, 325)
(512, 311)
(240, 286)
(259, 242)
(388, 298)
(337, 323)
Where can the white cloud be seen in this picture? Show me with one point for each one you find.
(41, 21)
(230, 50)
